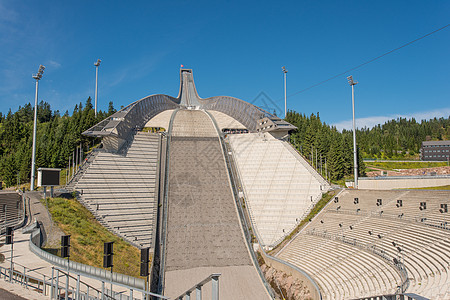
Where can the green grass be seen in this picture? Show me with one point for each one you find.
(443, 187)
(88, 236)
(317, 208)
(405, 165)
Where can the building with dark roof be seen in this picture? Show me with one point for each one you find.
(435, 150)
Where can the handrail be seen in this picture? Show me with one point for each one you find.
(400, 267)
(198, 287)
(165, 204)
(316, 287)
(16, 223)
(419, 220)
(86, 161)
(233, 181)
(87, 270)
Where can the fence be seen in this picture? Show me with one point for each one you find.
(86, 270)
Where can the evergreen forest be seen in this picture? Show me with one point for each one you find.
(331, 151)
(57, 137)
(327, 149)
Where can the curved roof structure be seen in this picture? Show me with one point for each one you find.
(116, 129)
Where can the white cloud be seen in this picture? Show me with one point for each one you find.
(54, 64)
(375, 120)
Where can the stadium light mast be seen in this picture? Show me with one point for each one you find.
(355, 161)
(285, 102)
(96, 64)
(37, 77)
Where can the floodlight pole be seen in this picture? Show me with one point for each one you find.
(96, 83)
(285, 98)
(355, 160)
(37, 77)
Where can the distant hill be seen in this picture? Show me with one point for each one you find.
(395, 139)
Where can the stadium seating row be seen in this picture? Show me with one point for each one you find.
(370, 228)
(121, 190)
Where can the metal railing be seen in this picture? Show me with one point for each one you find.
(68, 285)
(235, 184)
(21, 216)
(214, 278)
(377, 214)
(86, 270)
(400, 267)
(165, 206)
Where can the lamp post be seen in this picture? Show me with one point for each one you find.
(285, 102)
(355, 160)
(96, 64)
(38, 77)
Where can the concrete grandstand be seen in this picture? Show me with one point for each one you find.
(185, 192)
(185, 171)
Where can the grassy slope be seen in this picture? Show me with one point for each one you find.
(88, 236)
(317, 208)
(404, 165)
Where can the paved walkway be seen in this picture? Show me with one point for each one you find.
(35, 266)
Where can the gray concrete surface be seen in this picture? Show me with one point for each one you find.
(204, 232)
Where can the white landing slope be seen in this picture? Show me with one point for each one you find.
(279, 185)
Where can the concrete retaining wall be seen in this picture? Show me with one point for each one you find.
(389, 183)
(295, 272)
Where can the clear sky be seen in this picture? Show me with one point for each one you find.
(235, 48)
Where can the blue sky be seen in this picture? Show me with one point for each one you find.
(236, 48)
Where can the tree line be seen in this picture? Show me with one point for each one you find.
(328, 150)
(56, 139)
(331, 151)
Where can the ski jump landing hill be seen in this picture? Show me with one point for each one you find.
(179, 191)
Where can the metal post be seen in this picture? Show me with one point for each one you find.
(67, 287)
(215, 287)
(4, 209)
(111, 281)
(12, 255)
(96, 84)
(131, 293)
(52, 291)
(33, 158)
(285, 98)
(73, 164)
(188, 295)
(77, 295)
(68, 173)
(57, 284)
(198, 290)
(103, 290)
(76, 160)
(355, 161)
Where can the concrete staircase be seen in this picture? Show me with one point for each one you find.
(121, 190)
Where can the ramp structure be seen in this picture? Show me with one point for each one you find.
(204, 234)
(177, 191)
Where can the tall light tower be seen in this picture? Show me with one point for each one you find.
(355, 160)
(38, 77)
(96, 64)
(285, 102)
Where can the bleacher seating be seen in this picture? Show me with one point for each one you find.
(14, 208)
(372, 230)
(121, 189)
(279, 185)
